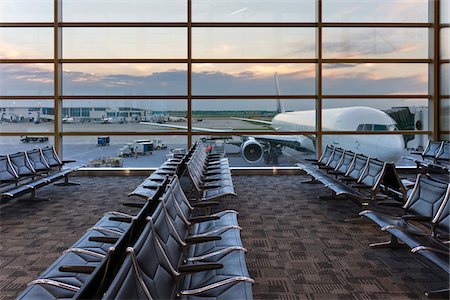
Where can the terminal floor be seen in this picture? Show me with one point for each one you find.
(299, 247)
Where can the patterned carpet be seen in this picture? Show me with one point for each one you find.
(299, 247)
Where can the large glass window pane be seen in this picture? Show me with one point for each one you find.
(124, 79)
(253, 42)
(124, 11)
(378, 115)
(253, 79)
(26, 11)
(445, 43)
(125, 43)
(375, 79)
(444, 114)
(142, 151)
(445, 11)
(375, 42)
(261, 150)
(13, 144)
(26, 116)
(445, 79)
(226, 115)
(375, 11)
(20, 43)
(124, 115)
(253, 11)
(26, 79)
(386, 147)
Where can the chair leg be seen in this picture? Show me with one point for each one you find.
(393, 243)
(66, 182)
(310, 181)
(444, 294)
(34, 198)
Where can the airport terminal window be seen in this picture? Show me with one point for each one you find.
(128, 70)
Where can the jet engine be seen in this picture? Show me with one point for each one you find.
(252, 151)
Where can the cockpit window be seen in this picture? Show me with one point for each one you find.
(376, 127)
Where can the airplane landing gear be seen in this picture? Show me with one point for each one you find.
(271, 154)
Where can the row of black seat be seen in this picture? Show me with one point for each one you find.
(355, 175)
(427, 205)
(25, 172)
(89, 268)
(435, 157)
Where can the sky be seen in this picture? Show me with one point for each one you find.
(220, 79)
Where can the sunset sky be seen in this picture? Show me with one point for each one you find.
(221, 79)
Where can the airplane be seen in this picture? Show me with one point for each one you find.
(389, 148)
(68, 120)
(106, 120)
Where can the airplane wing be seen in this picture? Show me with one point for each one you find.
(183, 127)
(253, 121)
(296, 142)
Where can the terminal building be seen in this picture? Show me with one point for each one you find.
(245, 149)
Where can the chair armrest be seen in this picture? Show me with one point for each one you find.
(122, 219)
(134, 204)
(348, 179)
(68, 161)
(310, 159)
(361, 186)
(200, 219)
(77, 269)
(199, 267)
(104, 239)
(202, 239)
(390, 203)
(205, 203)
(416, 218)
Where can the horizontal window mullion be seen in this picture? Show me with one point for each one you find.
(27, 24)
(124, 97)
(45, 97)
(377, 60)
(394, 96)
(122, 60)
(251, 133)
(251, 97)
(397, 132)
(26, 133)
(124, 133)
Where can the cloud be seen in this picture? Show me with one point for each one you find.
(31, 80)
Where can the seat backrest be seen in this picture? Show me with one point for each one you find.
(373, 173)
(173, 211)
(195, 174)
(444, 152)
(326, 155)
(145, 272)
(38, 160)
(336, 158)
(21, 164)
(180, 198)
(51, 156)
(441, 222)
(426, 197)
(431, 150)
(345, 162)
(7, 172)
(357, 168)
(167, 236)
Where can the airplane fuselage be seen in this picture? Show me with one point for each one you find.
(385, 147)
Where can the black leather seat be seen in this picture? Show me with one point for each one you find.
(148, 272)
(7, 173)
(422, 206)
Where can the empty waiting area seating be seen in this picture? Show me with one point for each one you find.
(25, 172)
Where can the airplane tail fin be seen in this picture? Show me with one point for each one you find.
(280, 105)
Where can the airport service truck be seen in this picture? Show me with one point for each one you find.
(136, 148)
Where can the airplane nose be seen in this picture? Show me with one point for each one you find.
(390, 148)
